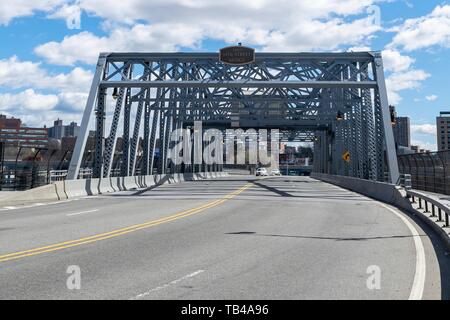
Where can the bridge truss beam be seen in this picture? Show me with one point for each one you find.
(337, 100)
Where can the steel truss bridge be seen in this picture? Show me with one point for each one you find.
(336, 100)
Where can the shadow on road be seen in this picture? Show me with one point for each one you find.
(302, 194)
(318, 238)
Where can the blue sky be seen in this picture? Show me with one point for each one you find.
(49, 47)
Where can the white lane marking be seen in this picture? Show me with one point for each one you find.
(174, 282)
(9, 208)
(419, 276)
(82, 212)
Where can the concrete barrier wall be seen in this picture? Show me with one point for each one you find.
(385, 192)
(106, 185)
(79, 188)
(63, 190)
(41, 194)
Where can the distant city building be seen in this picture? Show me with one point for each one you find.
(417, 149)
(72, 130)
(402, 132)
(14, 133)
(290, 150)
(443, 131)
(59, 131)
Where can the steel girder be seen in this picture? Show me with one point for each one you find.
(291, 91)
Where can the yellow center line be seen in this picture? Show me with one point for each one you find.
(122, 231)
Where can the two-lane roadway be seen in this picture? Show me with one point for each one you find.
(239, 237)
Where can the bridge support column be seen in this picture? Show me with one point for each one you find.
(152, 143)
(78, 153)
(100, 115)
(110, 147)
(383, 108)
(322, 151)
(126, 137)
(162, 140)
(135, 140)
(145, 170)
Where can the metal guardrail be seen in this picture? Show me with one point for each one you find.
(426, 203)
(405, 181)
(85, 173)
(60, 175)
(57, 175)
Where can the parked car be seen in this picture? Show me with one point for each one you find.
(261, 172)
(275, 172)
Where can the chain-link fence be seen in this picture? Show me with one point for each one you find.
(429, 171)
(23, 168)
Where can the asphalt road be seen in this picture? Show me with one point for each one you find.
(234, 238)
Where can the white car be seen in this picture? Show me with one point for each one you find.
(261, 172)
(275, 172)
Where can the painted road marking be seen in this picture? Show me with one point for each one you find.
(82, 212)
(9, 208)
(419, 276)
(122, 231)
(172, 283)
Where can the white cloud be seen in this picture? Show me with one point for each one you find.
(28, 100)
(432, 97)
(429, 129)
(85, 46)
(73, 101)
(280, 25)
(359, 49)
(70, 89)
(21, 8)
(424, 136)
(19, 74)
(395, 61)
(255, 12)
(404, 81)
(70, 13)
(424, 145)
(423, 32)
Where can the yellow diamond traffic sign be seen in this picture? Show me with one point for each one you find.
(346, 156)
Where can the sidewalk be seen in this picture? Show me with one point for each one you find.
(443, 198)
(4, 194)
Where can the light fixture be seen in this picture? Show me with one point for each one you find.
(393, 115)
(115, 94)
(339, 116)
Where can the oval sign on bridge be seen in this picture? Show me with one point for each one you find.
(237, 55)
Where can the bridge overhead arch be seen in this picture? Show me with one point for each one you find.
(336, 100)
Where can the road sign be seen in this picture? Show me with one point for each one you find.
(346, 156)
(237, 55)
